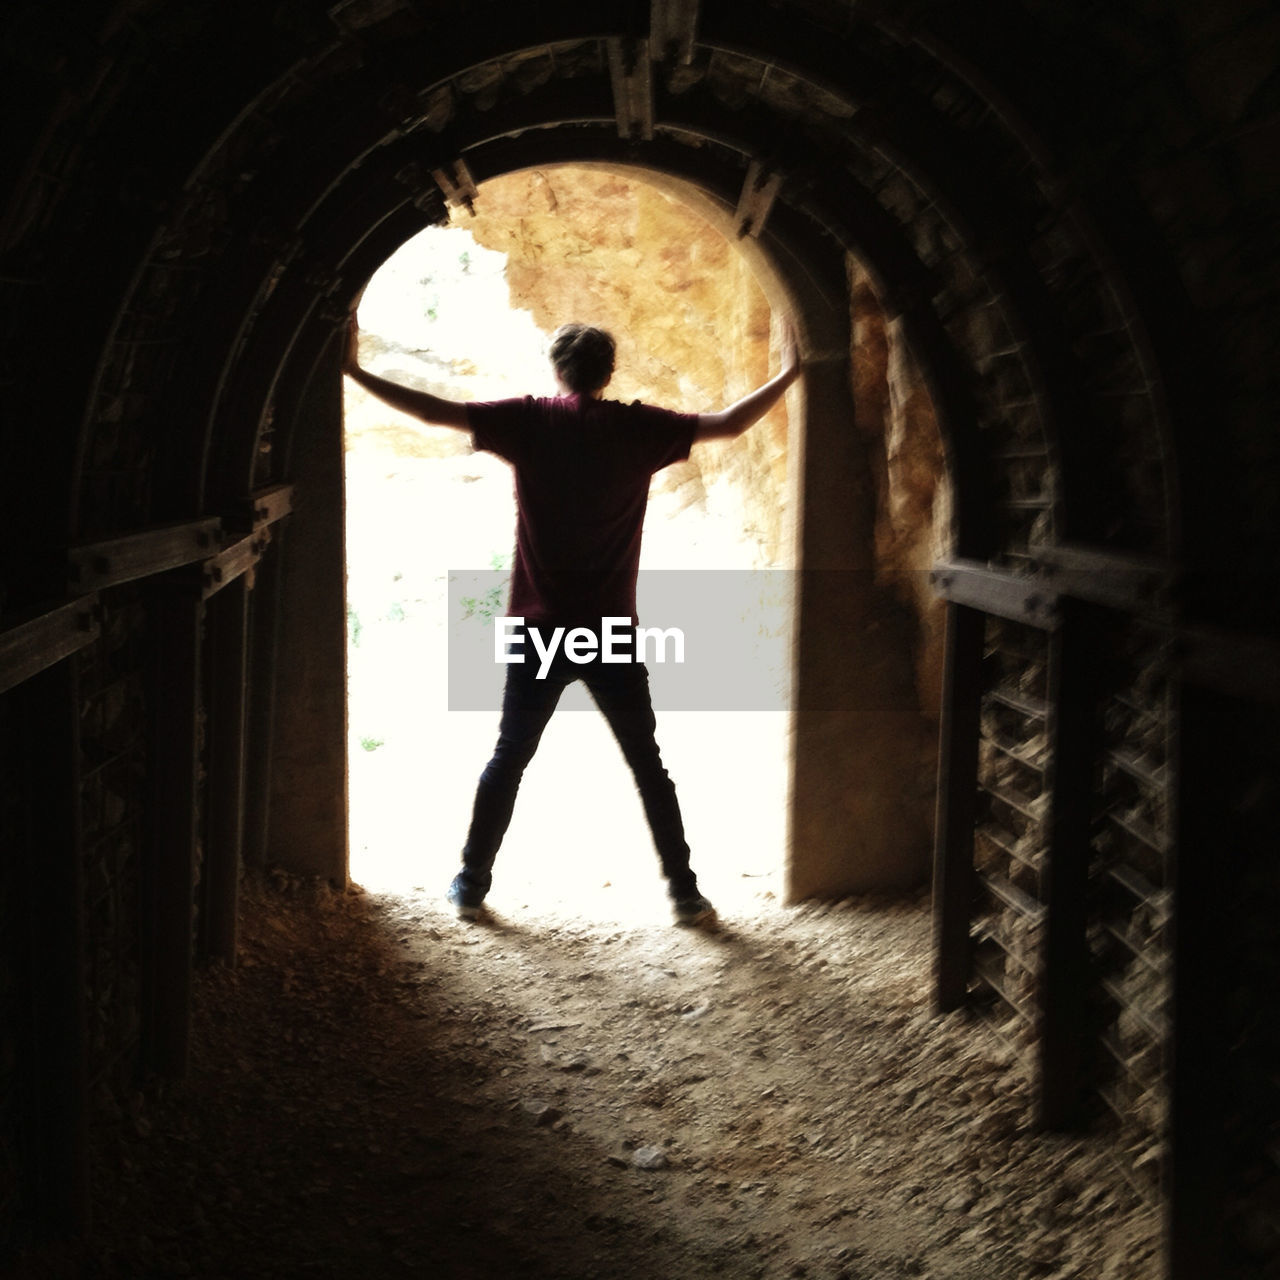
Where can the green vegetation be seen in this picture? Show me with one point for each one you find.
(488, 606)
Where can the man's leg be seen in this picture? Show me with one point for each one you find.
(622, 694)
(527, 704)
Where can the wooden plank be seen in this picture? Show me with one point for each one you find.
(228, 622)
(1077, 653)
(1008, 893)
(139, 555)
(457, 185)
(631, 74)
(264, 626)
(269, 504)
(37, 641)
(176, 611)
(237, 560)
(1006, 595)
(759, 190)
(673, 27)
(1132, 582)
(953, 883)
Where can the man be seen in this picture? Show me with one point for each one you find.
(582, 470)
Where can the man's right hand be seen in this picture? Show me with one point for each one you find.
(734, 420)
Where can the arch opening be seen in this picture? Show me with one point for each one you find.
(694, 332)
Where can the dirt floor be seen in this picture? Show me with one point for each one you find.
(379, 1090)
(574, 1087)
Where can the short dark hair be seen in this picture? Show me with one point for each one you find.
(582, 356)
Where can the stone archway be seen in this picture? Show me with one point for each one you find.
(863, 757)
(1052, 239)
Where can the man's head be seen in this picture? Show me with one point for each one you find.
(582, 357)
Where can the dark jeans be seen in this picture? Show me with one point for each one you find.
(621, 691)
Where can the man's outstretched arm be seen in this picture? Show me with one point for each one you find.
(734, 420)
(435, 410)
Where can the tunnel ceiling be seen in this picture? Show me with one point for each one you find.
(250, 166)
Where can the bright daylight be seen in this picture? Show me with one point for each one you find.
(424, 513)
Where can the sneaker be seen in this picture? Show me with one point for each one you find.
(692, 908)
(465, 898)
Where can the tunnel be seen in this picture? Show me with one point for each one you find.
(1069, 215)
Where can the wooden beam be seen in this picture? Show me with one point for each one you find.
(234, 561)
(94, 565)
(953, 876)
(759, 190)
(631, 73)
(33, 643)
(264, 625)
(169, 867)
(673, 28)
(996, 591)
(228, 631)
(1077, 654)
(269, 505)
(456, 185)
(1120, 580)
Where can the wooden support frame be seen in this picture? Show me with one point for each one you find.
(953, 883)
(307, 768)
(1020, 599)
(1131, 582)
(631, 74)
(1076, 656)
(260, 711)
(673, 29)
(759, 190)
(108, 563)
(38, 641)
(268, 505)
(235, 561)
(1246, 666)
(226, 666)
(457, 185)
(177, 610)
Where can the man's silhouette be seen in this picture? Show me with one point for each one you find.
(582, 469)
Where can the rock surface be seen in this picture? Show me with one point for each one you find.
(895, 416)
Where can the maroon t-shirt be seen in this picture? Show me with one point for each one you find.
(582, 469)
